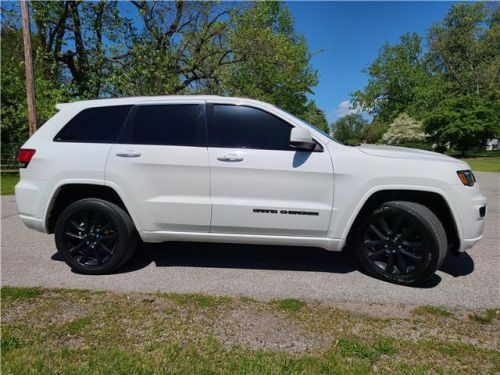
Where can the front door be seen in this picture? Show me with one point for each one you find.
(259, 184)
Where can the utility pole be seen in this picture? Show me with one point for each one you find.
(28, 64)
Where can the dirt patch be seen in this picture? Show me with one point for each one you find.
(16, 311)
(265, 330)
(376, 310)
(65, 311)
(486, 337)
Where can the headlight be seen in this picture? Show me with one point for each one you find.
(467, 177)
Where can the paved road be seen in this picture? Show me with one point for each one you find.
(472, 281)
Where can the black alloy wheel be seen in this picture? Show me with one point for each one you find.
(95, 236)
(402, 242)
(90, 237)
(394, 245)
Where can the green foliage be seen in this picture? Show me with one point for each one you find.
(464, 122)
(404, 130)
(95, 49)
(484, 164)
(10, 342)
(8, 292)
(487, 317)
(315, 116)
(375, 131)
(433, 310)
(359, 349)
(199, 300)
(290, 304)
(396, 75)
(350, 128)
(8, 182)
(13, 107)
(452, 86)
(272, 60)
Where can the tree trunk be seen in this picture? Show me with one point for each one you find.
(28, 64)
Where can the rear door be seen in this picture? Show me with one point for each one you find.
(160, 164)
(261, 185)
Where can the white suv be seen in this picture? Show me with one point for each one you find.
(207, 168)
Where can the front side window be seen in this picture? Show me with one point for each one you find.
(95, 125)
(164, 124)
(234, 126)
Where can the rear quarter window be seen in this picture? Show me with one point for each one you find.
(95, 125)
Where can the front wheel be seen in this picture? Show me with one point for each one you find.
(95, 236)
(402, 242)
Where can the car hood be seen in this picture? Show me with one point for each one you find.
(405, 153)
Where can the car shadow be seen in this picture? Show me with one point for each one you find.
(265, 257)
(457, 265)
(262, 257)
(218, 255)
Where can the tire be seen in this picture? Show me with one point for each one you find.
(95, 236)
(401, 242)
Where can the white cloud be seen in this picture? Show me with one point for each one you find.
(346, 108)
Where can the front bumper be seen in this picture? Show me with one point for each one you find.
(470, 204)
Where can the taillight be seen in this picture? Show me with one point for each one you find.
(24, 156)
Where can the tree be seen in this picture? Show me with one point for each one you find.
(272, 59)
(349, 129)
(81, 43)
(13, 106)
(464, 122)
(404, 131)
(93, 49)
(397, 75)
(374, 132)
(315, 116)
(460, 65)
(464, 49)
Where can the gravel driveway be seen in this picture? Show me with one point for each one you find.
(471, 281)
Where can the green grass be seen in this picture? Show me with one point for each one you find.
(484, 164)
(9, 181)
(86, 332)
(433, 310)
(20, 293)
(289, 304)
(198, 300)
(475, 154)
(487, 317)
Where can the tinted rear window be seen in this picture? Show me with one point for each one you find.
(95, 125)
(168, 125)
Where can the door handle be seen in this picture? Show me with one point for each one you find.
(128, 154)
(230, 157)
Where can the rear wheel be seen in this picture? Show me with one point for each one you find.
(95, 236)
(402, 242)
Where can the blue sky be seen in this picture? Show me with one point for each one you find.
(350, 35)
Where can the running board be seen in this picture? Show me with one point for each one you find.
(331, 244)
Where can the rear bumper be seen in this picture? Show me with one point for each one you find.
(33, 223)
(31, 198)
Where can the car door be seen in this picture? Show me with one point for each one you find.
(259, 184)
(160, 164)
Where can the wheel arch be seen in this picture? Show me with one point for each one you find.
(70, 192)
(432, 199)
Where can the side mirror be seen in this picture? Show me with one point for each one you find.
(301, 139)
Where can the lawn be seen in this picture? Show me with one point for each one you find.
(84, 332)
(484, 164)
(9, 181)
